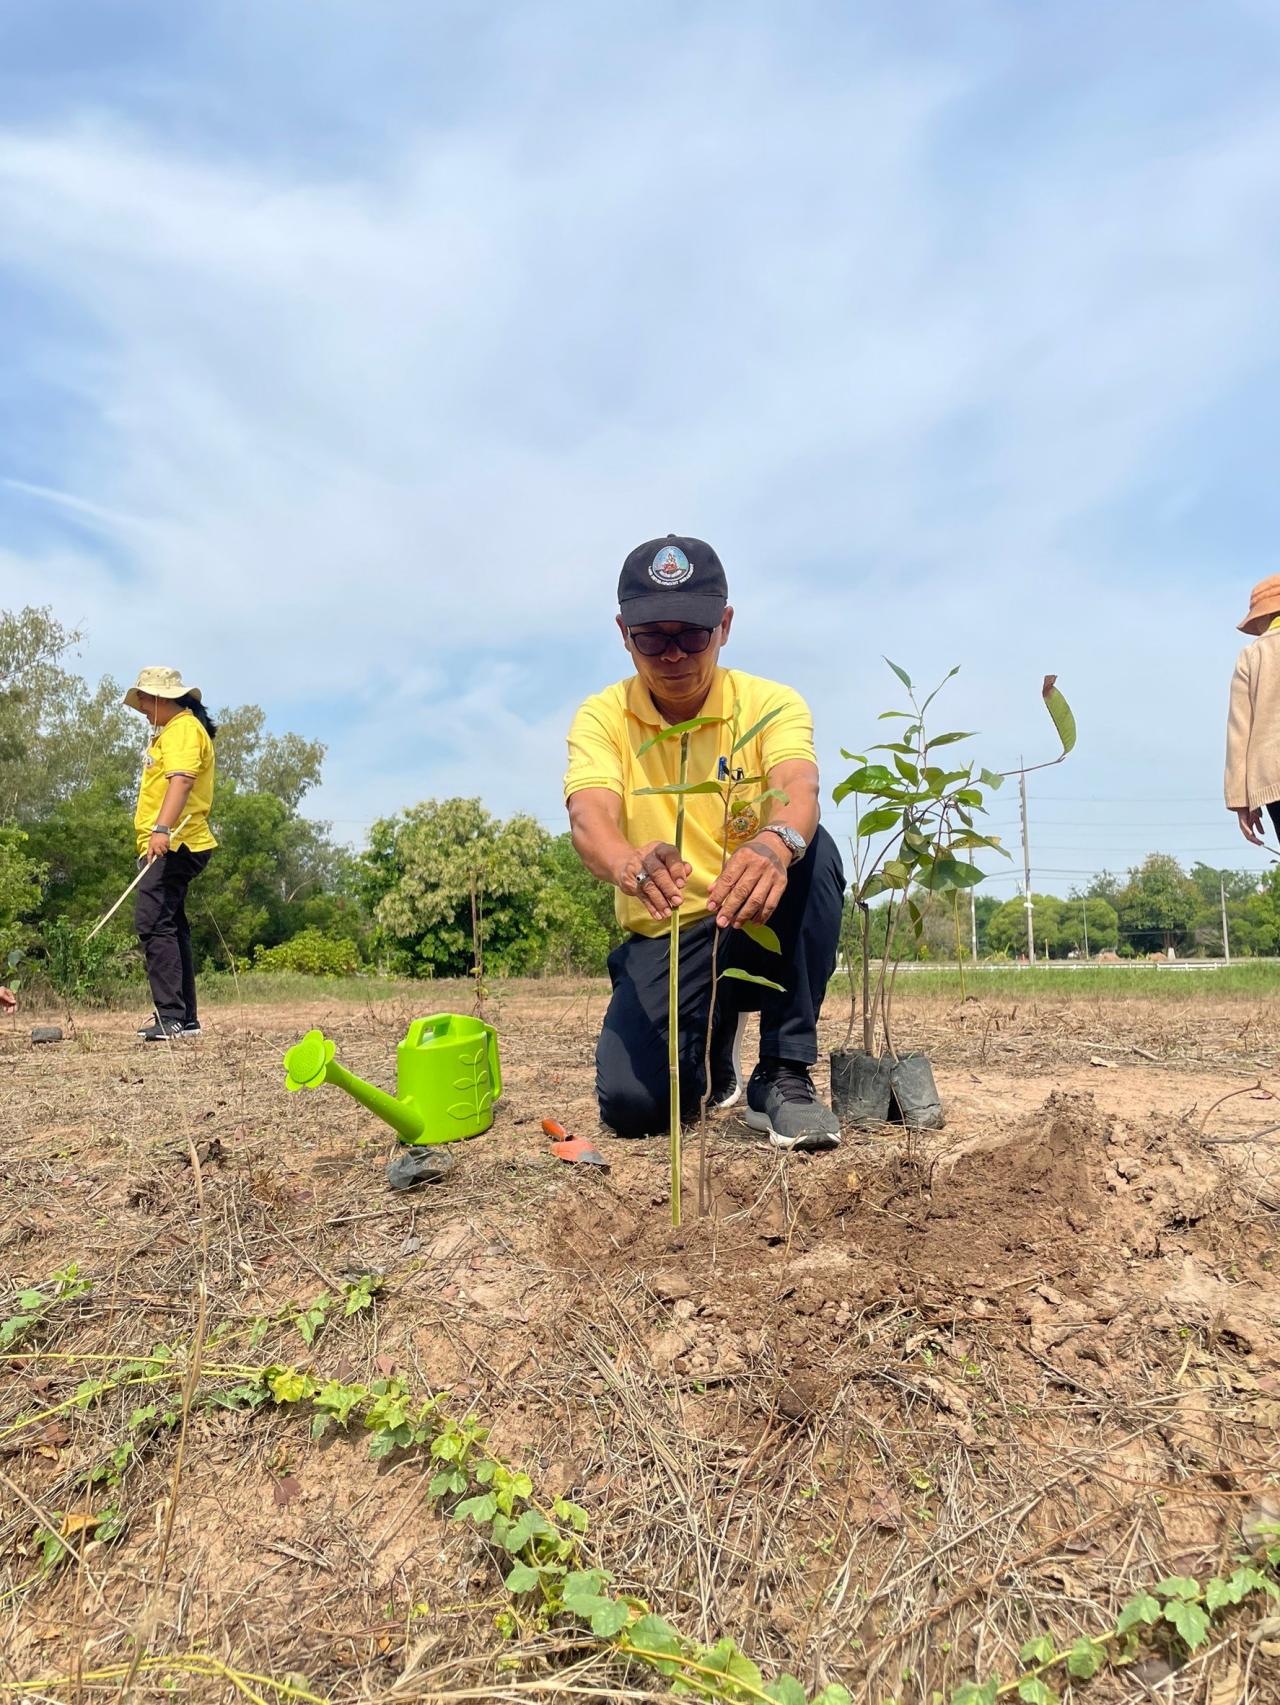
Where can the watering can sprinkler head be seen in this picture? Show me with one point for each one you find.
(305, 1062)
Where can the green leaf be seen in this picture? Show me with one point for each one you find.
(900, 673)
(755, 728)
(896, 872)
(610, 1616)
(763, 936)
(869, 779)
(1177, 1586)
(680, 787)
(875, 884)
(1035, 1691)
(951, 873)
(786, 1690)
(522, 1579)
(976, 1693)
(950, 739)
(907, 771)
(1037, 1651)
(741, 976)
(724, 1658)
(574, 1514)
(875, 822)
(1141, 1610)
(478, 1509)
(1190, 1620)
(836, 1694)
(676, 729)
(1060, 711)
(1084, 1659)
(582, 1585)
(906, 715)
(653, 1634)
(989, 778)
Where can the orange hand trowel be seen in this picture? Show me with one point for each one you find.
(570, 1148)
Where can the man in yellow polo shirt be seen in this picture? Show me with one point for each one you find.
(779, 866)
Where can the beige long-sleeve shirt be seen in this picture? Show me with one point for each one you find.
(1253, 725)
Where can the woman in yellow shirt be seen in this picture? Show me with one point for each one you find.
(174, 841)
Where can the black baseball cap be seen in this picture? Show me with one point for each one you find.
(672, 580)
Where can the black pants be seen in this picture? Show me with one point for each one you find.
(1273, 811)
(631, 1056)
(160, 920)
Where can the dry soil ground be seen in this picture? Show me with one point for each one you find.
(879, 1415)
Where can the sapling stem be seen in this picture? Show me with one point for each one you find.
(673, 1001)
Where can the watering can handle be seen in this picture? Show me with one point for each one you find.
(495, 1068)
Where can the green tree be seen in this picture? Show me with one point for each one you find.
(1159, 905)
(57, 734)
(283, 765)
(19, 893)
(1007, 931)
(582, 927)
(417, 879)
(1095, 920)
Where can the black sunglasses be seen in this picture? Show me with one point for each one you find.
(689, 640)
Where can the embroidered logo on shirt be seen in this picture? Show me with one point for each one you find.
(671, 567)
(744, 824)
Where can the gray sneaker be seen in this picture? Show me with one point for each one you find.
(781, 1100)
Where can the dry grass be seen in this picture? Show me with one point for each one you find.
(879, 1417)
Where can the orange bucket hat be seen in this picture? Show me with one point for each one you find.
(1264, 603)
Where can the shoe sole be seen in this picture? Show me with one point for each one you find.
(816, 1140)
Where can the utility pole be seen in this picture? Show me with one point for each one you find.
(1084, 913)
(1226, 938)
(1026, 865)
(973, 924)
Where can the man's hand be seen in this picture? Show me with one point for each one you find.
(751, 884)
(1250, 820)
(656, 874)
(8, 1000)
(157, 846)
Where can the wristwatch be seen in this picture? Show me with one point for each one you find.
(792, 839)
(162, 829)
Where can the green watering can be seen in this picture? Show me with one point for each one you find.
(447, 1078)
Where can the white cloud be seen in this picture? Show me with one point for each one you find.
(369, 445)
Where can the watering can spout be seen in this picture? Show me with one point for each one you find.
(310, 1063)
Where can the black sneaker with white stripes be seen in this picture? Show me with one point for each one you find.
(162, 1031)
(782, 1101)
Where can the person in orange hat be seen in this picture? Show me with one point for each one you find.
(1253, 721)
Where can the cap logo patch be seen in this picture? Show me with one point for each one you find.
(671, 567)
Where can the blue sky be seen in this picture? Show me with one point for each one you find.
(348, 349)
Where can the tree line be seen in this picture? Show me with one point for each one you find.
(436, 878)
(281, 893)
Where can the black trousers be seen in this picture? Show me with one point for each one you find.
(160, 920)
(632, 1082)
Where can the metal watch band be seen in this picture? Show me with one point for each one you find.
(792, 839)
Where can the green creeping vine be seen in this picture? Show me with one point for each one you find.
(540, 1549)
(36, 1305)
(1177, 1611)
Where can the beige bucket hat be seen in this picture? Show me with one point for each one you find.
(159, 683)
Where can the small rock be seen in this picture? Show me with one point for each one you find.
(798, 1397)
(1128, 1167)
(668, 1287)
(47, 1033)
(684, 1309)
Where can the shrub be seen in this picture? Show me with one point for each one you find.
(77, 969)
(313, 953)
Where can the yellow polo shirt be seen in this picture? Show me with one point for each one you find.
(603, 744)
(180, 748)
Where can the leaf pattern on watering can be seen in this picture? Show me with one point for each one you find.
(477, 1082)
